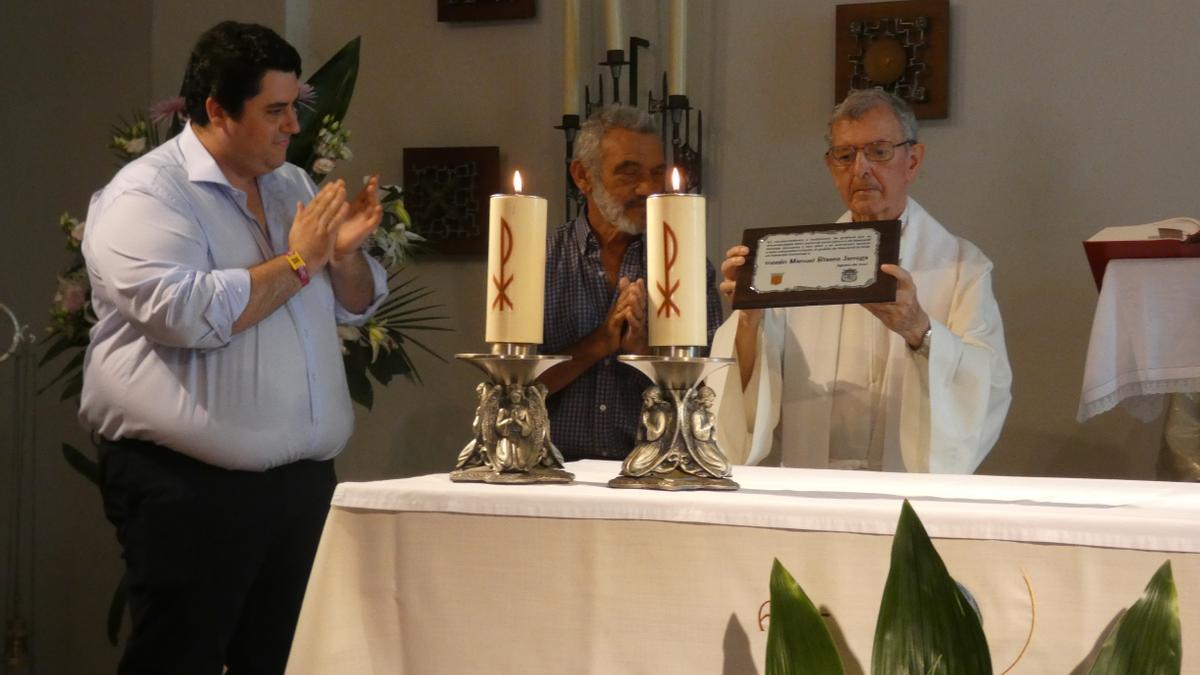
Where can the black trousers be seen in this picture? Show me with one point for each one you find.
(217, 561)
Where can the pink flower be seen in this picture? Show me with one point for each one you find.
(167, 109)
(77, 231)
(71, 295)
(308, 96)
(323, 166)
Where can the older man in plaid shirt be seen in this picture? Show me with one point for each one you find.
(596, 288)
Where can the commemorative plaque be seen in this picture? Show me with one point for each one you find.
(830, 264)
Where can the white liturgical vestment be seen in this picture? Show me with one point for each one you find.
(833, 387)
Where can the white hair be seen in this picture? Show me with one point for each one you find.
(859, 102)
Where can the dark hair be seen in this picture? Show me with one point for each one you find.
(228, 63)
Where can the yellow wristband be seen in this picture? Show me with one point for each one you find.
(298, 266)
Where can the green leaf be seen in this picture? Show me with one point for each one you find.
(334, 84)
(402, 214)
(82, 463)
(798, 642)
(116, 612)
(58, 346)
(356, 360)
(73, 367)
(389, 364)
(1146, 641)
(926, 625)
(72, 388)
(439, 357)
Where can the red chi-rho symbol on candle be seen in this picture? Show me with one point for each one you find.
(670, 253)
(503, 282)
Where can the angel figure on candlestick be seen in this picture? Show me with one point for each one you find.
(479, 450)
(549, 454)
(654, 443)
(703, 447)
(514, 425)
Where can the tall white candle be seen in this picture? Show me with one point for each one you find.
(675, 273)
(615, 30)
(677, 49)
(516, 278)
(571, 57)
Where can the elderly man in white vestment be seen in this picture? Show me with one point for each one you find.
(919, 384)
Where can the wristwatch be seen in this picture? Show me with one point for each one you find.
(923, 348)
(298, 266)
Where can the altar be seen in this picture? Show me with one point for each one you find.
(422, 575)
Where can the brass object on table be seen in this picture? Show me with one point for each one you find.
(677, 438)
(511, 431)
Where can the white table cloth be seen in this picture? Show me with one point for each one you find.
(422, 575)
(1145, 338)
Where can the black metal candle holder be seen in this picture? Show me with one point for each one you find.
(676, 112)
(573, 205)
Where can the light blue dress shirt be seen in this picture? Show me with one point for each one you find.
(169, 243)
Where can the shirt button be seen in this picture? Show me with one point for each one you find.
(603, 407)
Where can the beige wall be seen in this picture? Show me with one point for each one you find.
(1065, 117)
(1050, 138)
(71, 69)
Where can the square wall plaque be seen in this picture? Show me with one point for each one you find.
(902, 47)
(446, 191)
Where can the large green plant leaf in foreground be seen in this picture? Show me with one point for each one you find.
(798, 642)
(334, 85)
(926, 624)
(1146, 641)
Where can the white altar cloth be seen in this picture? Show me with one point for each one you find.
(1142, 515)
(421, 575)
(1145, 337)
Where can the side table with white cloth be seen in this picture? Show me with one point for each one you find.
(422, 575)
(1145, 345)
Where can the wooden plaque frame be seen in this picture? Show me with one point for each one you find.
(745, 296)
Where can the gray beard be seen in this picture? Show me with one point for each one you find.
(613, 212)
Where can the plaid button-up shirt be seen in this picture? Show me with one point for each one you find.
(595, 416)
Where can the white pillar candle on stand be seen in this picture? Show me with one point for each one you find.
(613, 24)
(516, 278)
(675, 271)
(571, 57)
(677, 49)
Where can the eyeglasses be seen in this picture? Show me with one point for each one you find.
(879, 151)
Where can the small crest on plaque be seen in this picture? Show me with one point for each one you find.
(777, 279)
(849, 274)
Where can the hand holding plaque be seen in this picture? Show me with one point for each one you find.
(830, 264)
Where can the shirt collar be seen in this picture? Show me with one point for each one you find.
(582, 231)
(199, 162)
(584, 234)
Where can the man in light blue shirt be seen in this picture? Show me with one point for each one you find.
(214, 375)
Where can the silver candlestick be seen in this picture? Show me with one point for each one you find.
(511, 443)
(676, 445)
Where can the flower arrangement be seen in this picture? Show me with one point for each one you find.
(375, 351)
(332, 145)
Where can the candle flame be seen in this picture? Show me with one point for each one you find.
(516, 181)
(675, 179)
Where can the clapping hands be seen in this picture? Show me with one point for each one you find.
(328, 228)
